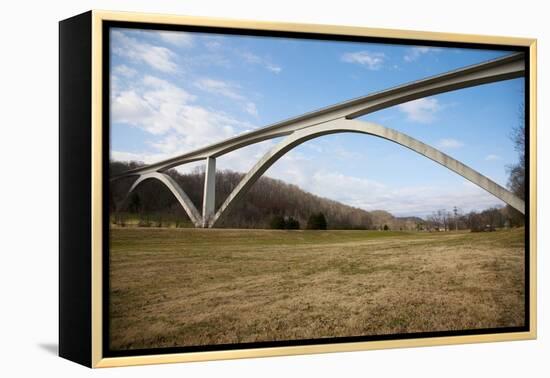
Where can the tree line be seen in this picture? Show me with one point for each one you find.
(490, 219)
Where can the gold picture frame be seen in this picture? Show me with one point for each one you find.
(90, 328)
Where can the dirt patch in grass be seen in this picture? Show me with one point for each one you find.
(182, 287)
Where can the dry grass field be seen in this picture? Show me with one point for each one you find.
(182, 287)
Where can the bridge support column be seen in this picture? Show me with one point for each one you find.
(209, 198)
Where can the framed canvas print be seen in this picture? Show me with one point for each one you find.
(235, 189)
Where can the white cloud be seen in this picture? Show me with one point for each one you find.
(273, 68)
(370, 195)
(176, 38)
(314, 147)
(256, 59)
(243, 159)
(492, 157)
(416, 52)
(154, 105)
(251, 109)
(212, 44)
(370, 60)
(129, 107)
(147, 158)
(400, 201)
(170, 112)
(449, 143)
(124, 70)
(344, 153)
(159, 58)
(228, 90)
(160, 92)
(218, 87)
(422, 110)
(292, 166)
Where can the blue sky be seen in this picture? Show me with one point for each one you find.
(172, 92)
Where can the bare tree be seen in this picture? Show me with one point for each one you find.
(455, 213)
(516, 179)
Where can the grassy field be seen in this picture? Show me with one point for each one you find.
(180, 287)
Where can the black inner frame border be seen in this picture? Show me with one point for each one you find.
(107, 25)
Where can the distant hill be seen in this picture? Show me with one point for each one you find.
(267, 198)
(381, 217)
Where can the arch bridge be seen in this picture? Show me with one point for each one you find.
(337, 118)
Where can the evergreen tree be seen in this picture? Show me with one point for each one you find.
(277, 223)
(292, 224)
(317, 221)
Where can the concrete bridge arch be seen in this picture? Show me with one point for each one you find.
(343, 125)
(184, 200)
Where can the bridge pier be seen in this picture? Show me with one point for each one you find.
(209, 198)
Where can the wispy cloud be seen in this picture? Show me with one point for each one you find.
(143, 157)
(367, 59)
(228, 90)
(157, 57)
(178, 38)
(401, 201)
(492, 157)
(152, 104)
(423, 110)
(218, 87)
(264, 62)
(274, 68)
(449, 143)
(251, 108)
(416, 52)
(171, 113)
(212, 43)
(125, 71)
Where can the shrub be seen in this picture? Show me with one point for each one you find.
(292, 224)
(145, 222)
(317, 221)
(277, 223)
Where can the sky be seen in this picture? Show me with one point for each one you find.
(173, 92)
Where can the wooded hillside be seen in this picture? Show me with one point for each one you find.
(266, 199)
